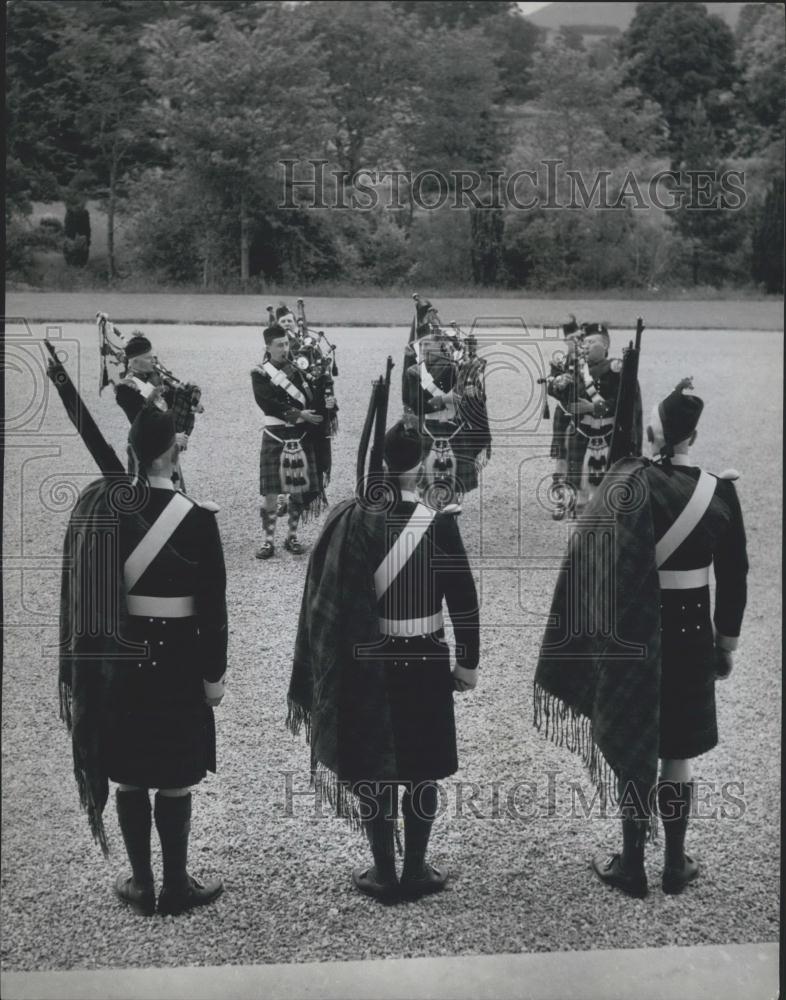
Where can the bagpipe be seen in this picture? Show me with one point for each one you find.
(186, 396)
(444, 394)
(315, 357)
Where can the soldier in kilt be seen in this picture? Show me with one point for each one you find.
(448, 407)
(287, 459)
(644, 688)
(561, 420)
(372, 674)
(138, 687)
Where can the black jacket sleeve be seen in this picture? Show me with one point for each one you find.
(211, 599)
(457, 585)
(130, 401)
(731, 568)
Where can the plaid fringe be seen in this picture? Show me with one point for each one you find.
(88, 803)
(338, 794)
(298, 718)
(565, 727)
(86, 800)
(65, 704)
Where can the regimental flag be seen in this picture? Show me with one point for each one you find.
(111, 349)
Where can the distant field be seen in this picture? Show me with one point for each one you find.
(504, 310)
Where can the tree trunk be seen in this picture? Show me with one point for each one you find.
(110, 220)
(244, 241)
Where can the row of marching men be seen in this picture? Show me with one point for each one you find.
(444, 399)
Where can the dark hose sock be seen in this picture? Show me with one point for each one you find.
(635, 812)
(674, 801)
(173, 822)
(419, 806)
(379, 806)
(134, 817)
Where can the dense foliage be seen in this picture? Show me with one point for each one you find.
(170, 119)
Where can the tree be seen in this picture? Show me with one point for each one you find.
(368, 53)
(761, 58)
(677, 54)
(233, 109)
(456, 128)
(768, 239)
(715, 233)
(37, 137)
(109, 103)
(514, 38)
(588, 116)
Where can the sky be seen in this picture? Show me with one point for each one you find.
(530, 8)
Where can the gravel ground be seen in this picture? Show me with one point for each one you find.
(509, 308)
(518, 858)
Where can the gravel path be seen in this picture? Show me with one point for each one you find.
(519, 860)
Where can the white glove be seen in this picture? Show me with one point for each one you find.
(464, 679)
(181, 440)
(214, 691)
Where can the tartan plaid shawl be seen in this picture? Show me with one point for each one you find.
(92, 615)
(93, 619)
(597, 683)
(336, 693)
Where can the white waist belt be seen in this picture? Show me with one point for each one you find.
(274, 421)
(684, 579)
(411, 626)
(161, 607)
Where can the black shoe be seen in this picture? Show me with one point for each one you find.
(367, 881)
(675, 879)
(141, 897)
(265, 550)
(282, 507)
(610, 871)
(171, 902)
(431, 880)
(294, 546)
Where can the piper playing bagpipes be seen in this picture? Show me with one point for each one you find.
(557, 379)
(288, 462)
(444, 397)
(588, 393)
(140, 379)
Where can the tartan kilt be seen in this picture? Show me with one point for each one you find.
(270, 462)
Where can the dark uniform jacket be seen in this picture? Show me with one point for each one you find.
(435, 355)
(131, 400)
(160, 732)
(419, 682)
(688, 718)
(274, 400)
